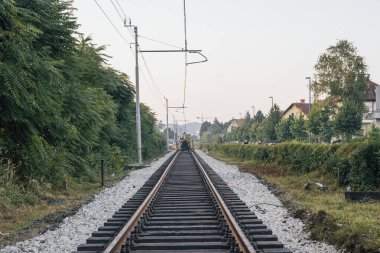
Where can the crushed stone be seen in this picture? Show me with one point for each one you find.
(74, 230)
(290, 231)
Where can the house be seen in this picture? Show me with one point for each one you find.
(297, 109)
(372, 117)
(234, 123)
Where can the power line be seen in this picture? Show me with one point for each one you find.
(122, 18)
(151, 76)
(121, 8)
(117, 11)
(164, 43)
(127, 42)
(117, 30)
(158, 97)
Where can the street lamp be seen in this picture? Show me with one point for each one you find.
(309, 78)
(272, 100)
(253, 111)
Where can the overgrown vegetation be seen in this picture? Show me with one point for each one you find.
(62, 107)
(327, 215)
(354, 164)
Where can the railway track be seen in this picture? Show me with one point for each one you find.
(184, 207)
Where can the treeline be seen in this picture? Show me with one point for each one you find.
(340, 89)
(62, 107)
(259, 129)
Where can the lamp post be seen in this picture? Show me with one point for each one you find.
(253, 111)
(272, 101)
(309, 78)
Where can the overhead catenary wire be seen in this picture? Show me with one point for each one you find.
(113, 25)
(168, 44)
(158, 96)
(151, 76)
(129, 45)
(164, 43)
(122, 18)
(121, 8)
(118, 12)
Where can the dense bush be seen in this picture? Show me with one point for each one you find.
(356, 164)
(62, 107)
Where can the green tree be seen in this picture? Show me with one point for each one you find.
(211, 133)
(217, 126)
(62, 108)
(205, 127)
(259, 117)
(341, 75)
(247, 118)
(298, 128)
(319, 123)
(283, 129)
(349, 118)
(373, 134)
(270, 123)
(244, 128)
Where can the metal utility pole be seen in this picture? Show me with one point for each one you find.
(174, 129)
(309, 78)
(137, 51)
(272, 101)
(138, 114)
(167, 124)
(167, 119)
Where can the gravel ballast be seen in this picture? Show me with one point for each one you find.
(290, 231)
(75, 229)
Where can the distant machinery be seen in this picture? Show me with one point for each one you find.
(185, 142)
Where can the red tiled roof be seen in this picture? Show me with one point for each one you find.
(304, 107)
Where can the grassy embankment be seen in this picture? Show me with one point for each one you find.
(27, 213)
(329, 217)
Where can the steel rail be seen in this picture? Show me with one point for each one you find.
(124, 233)
(243, 242)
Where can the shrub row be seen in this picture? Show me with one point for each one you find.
(355, 164)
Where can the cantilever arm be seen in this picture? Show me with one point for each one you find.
(194, 62)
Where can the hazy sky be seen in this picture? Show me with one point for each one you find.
(256, 48)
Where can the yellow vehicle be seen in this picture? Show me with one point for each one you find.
(185, 142)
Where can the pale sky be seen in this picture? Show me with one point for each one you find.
(256, 48)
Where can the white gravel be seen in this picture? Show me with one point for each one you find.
(290, 231)
(76, 229)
